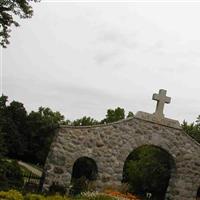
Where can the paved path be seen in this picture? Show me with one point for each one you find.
(30, 168)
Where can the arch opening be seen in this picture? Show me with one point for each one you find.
(84, 175)
(147, 171)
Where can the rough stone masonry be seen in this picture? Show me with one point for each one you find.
(109, 145)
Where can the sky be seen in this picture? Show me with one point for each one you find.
(81, 58)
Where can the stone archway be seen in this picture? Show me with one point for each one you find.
(84, 175)
(156, 157)
(110, 144)
(85, 166)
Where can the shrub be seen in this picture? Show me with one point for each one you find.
(103, 197)
(34, 197)
(10, 175)
(56, 197)
(11, 195)
(147, 170)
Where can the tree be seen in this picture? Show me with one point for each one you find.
(3, 147)
(15, 129)
(114, 115)
(130, 114)
(192, 129)
(84, 121)
(8, 10)
(42, 126)
(147, 169)
(26, 136)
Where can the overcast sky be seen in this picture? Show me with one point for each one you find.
(83, 58)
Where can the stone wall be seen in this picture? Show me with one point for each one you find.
(109, 145)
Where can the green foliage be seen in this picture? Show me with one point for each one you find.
(130, 114)
(31, 134)
(12, 127)
(34, 197)
(3, 146)
(10, 175)
(11, 195)
(85, 121)
(8, 10)
(57, 197)
(42, 126)
(192, 129)
(148, 169)
(15, 128)
(114, 115)
(15, 195)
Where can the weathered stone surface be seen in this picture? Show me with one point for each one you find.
(58, 170)
(109, 145)
(154, 118)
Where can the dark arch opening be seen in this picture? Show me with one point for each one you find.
(198, 194)
(147, 170)
(84, 173)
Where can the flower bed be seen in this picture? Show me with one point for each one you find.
(121, 195)
(108, 195)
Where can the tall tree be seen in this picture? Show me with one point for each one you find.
(42, 127)
(15, 129)
(8, 10)
(3, 147)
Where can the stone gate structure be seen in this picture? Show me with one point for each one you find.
(109, 145)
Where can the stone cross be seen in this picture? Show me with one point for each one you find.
(161, 99)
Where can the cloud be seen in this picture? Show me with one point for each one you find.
(103, 57)
(85, 59)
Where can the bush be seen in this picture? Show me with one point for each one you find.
(10, 175)
(15, 195)
(34, 197)
(56, 197)
(11, 195)
(147, 170)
